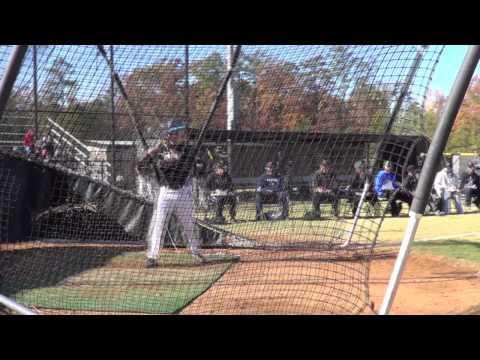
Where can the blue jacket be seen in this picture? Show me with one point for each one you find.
(381, 178)
(273, 183)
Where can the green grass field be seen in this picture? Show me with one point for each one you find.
(113, 279)
(106, 279)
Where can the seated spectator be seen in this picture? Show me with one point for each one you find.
(470, 183)
(446, 186)
(356, 187)
(323, 188)
(29, 142)
(199, 181)
(220, 186)
(271, 185)
(409, 184)
(387, 188)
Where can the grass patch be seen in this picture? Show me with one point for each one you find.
(110, 280)
(454, 248)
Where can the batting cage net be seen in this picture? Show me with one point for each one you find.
(204, 179)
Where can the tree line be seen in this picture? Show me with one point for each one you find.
(335, 91)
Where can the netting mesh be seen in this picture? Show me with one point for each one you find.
(254, 209)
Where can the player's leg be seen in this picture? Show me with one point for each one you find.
(475, 197)
(232, 202)
(259, 205)
(184, 211)
(316, 200)
(333, 199)
(283, 199)
(468, 197)
(219, 206)
(458, 202)
(158, 224)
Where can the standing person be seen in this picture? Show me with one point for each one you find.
(387, 187)
(29, 142)
(324, 188)
(46, 147)
(470, 183)
(175, 158)
(446, 186)
(220, 185)
(355, 189)
(271, 184)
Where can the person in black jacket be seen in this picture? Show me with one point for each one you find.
(175, 158)
(220, 186)
(323, 189)
(470, 183)
(271, 184)
(357, 186)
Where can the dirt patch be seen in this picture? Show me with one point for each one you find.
(430, 285)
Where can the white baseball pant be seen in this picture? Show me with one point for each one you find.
(168, 202)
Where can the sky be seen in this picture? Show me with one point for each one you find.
(447, 68)
(442, 80)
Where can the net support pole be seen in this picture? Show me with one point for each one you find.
(35, 90)
(231, 103)
(187, 82)
(15, 306)
(112, 110)
(11, 73)
(426, 179)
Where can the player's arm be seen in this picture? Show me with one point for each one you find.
(260, 183)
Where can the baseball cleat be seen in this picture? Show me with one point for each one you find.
(151, 263)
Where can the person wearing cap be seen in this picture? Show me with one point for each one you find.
(271, 184)
(175, 160)
(387, 187)
(356, 187)
(446, 186)
(323, 188)
(470, 183)
(220, 185)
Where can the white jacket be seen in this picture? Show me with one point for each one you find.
(444, 182)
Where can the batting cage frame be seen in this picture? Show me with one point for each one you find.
(120, 207)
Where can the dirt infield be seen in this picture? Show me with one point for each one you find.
(430, 285)
(311, 283)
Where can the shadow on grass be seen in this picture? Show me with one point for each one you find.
(27, 269)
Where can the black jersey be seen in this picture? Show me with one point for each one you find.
(217, 182)
(410, 183)
(176, 164)
(470, 180)
(358, 182)
(324, 180)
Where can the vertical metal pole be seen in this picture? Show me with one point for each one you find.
(231, 104)
(35, 91)
(187, 83)
(11, 73)
(112, 104)
(426, 179)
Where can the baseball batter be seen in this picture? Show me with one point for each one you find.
(176, 160)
